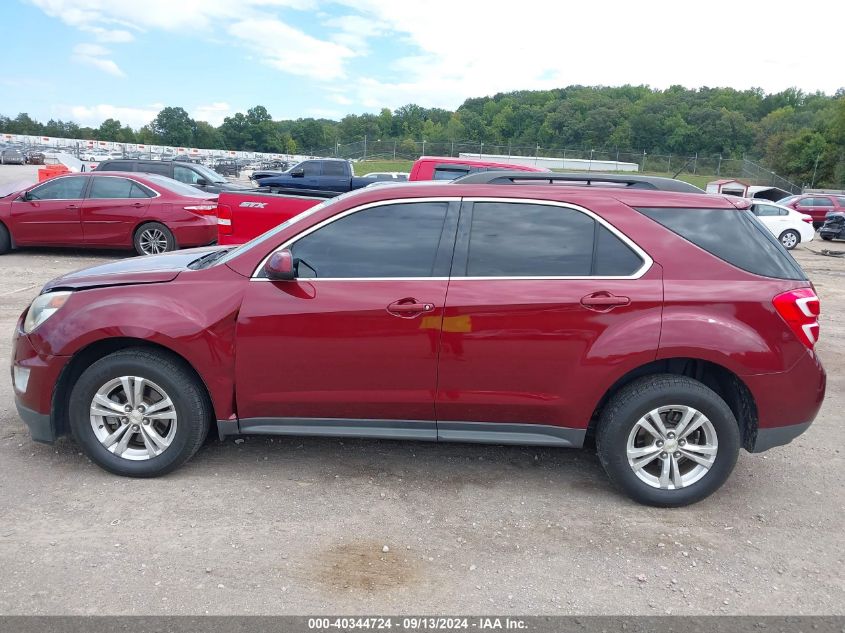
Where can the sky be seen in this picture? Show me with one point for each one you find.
(88, 60)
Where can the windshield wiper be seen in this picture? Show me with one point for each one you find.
(207, 260)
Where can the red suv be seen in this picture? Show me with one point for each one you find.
(670, 327)
(816, 205)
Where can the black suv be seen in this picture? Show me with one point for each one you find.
(192, 174)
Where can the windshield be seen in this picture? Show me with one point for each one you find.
(174, 186)
(269, 235)
(786, 200)
(209, 174)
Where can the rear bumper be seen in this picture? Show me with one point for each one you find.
(787, 402)
(196, 233)
(777, 436)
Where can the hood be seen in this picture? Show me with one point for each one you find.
(149, 269)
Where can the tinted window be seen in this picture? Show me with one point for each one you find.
(60, 189)
(334, 168)
(765, 210)
(529, 240)
(613, 257)
(156, 167)
(311, 168)
(445, 173)
(110, 188)
(398, 240)
(140, 191)
(186, 175)
(822, 202)
(736, 237)
(117, 165)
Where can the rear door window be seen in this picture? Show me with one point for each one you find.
(106, 187)
(733, 236)
(334, 168)
(512, 239)
(450, 173)
(156, 167)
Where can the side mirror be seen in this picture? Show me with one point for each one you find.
(280, 266)
(201, 182)
(297, 173)
(26, 196)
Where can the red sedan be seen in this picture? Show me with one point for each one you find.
(150, 213)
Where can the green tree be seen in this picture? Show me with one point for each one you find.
(174, 127)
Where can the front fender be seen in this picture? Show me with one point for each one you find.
(189, 317)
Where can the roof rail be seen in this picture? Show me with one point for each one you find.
(589, 179)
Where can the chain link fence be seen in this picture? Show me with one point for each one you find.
(661, 164)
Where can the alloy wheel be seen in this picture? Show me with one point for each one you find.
(153, 242)
(672, 447)
(133, 418)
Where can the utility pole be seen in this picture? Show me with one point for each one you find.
(815, 169)
(365, 147)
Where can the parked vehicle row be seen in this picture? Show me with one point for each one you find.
(670, 326)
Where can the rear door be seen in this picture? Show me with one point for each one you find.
(545, 302)
(113, 208)
(52, 215)
(336, 176)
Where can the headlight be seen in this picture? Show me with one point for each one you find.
(43, 308)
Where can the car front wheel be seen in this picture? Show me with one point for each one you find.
(667, 440)
(139, 413)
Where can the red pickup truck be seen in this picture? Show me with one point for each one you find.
(243, 215)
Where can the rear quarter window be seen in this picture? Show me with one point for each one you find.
(734, 236)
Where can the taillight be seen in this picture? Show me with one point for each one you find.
(224, 219)
(800, 309)
(202, 209)
(806, 218)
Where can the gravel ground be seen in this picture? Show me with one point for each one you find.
(293, 526)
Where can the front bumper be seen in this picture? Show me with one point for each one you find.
(34, 396)
(40, 424)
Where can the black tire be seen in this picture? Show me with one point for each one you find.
(147, 234)
(190, 402)
(827, 238)
(5, 239)
(789, 233)
(645, 394)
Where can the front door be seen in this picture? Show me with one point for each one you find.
(51, 213)
(113, 208)
(350, 347)
(545, 302)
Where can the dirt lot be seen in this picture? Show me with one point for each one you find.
(298, 525)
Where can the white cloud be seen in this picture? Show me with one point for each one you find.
(96, 55)
(291, 50)
(95, 115)
(463, 52)
(111, 36)
(213, 113)
(355, 31)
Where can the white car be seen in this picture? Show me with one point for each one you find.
(397, 176)
(96, 157)
(788, 225)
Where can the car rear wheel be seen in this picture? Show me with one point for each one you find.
(153, 238)
(827, 237)
(790, 239)
(667, 440)
(139, 413)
